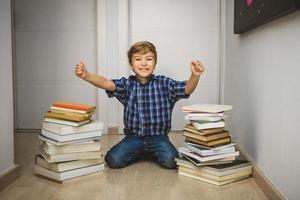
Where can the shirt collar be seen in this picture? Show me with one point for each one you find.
(153, 77)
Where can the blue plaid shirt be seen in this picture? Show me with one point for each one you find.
(148, 108)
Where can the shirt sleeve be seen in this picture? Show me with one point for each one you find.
(120, 91)
(177, 90)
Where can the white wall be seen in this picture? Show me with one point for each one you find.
(262, 83)
(6, 88)
(181, 31)
(51, 37)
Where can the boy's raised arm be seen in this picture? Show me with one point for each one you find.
(96, 80)
(196, 71)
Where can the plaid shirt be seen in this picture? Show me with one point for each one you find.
(148, 108)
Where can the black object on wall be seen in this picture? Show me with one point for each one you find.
(249, 14)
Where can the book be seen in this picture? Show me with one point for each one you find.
(213, 143)
(191, 128)
(207, 108)
(77, 136)
(207, 138)
(228, 168)
(65, 130)
(51, 141)
(70, 156)
(66, 166)
(61, 176)
(198, 125)
(89, 114)
(208, 152)
(203, 114)
(211, 148)
(186, 161)
(66, 116)
(203, 119)
(74, 106)
(220, 169)
(227, 177)
(210, 181)
(71, 148)
(70, 110)
(186, 151)
(65, 122)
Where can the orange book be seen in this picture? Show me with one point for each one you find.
(74, 106)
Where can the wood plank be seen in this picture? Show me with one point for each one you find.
(142, 180)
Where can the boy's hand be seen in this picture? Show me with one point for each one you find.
(196, 67)
(80, 70)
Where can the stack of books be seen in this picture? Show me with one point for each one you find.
(70, 143)
(208, 147)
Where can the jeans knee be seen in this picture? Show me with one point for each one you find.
(113, 161)
(167, 160)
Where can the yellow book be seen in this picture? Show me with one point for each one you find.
(191, 128)
(71, 116)
(207, 138)
(219, 142)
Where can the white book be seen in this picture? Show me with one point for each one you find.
(192, 161)
(202, 114)
(234, 167)
(186, 151)
(65, 122)
(65, 130)
(200, 118)
(209, 152)
(71, 148)
(207, 180)
(62, 176)
(51, 141)
(71, 156)
(77, 136)
(209, 108)
(199, 126)
(212, 148)
(66, 166)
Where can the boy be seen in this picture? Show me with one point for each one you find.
(148, 102)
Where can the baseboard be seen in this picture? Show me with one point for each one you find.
(9, 176)
(27, 130)
(261, 180)
(113, 130)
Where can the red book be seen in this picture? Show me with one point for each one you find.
(74, 106)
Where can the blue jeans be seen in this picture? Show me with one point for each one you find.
(131, 148)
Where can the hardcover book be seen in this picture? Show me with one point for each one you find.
(74, 106)
(66, 175)
(207, 138)
(65, 122)
(66, 166)
(71, 156)
(191, 128)
(207, 108)
(71, 148)
(77, 136)
(186, 151)
(213, 143)
(65, 130)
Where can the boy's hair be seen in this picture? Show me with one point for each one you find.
(142, 47)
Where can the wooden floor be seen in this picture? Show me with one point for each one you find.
(142, 180)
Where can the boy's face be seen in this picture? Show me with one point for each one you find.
(143, 65)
